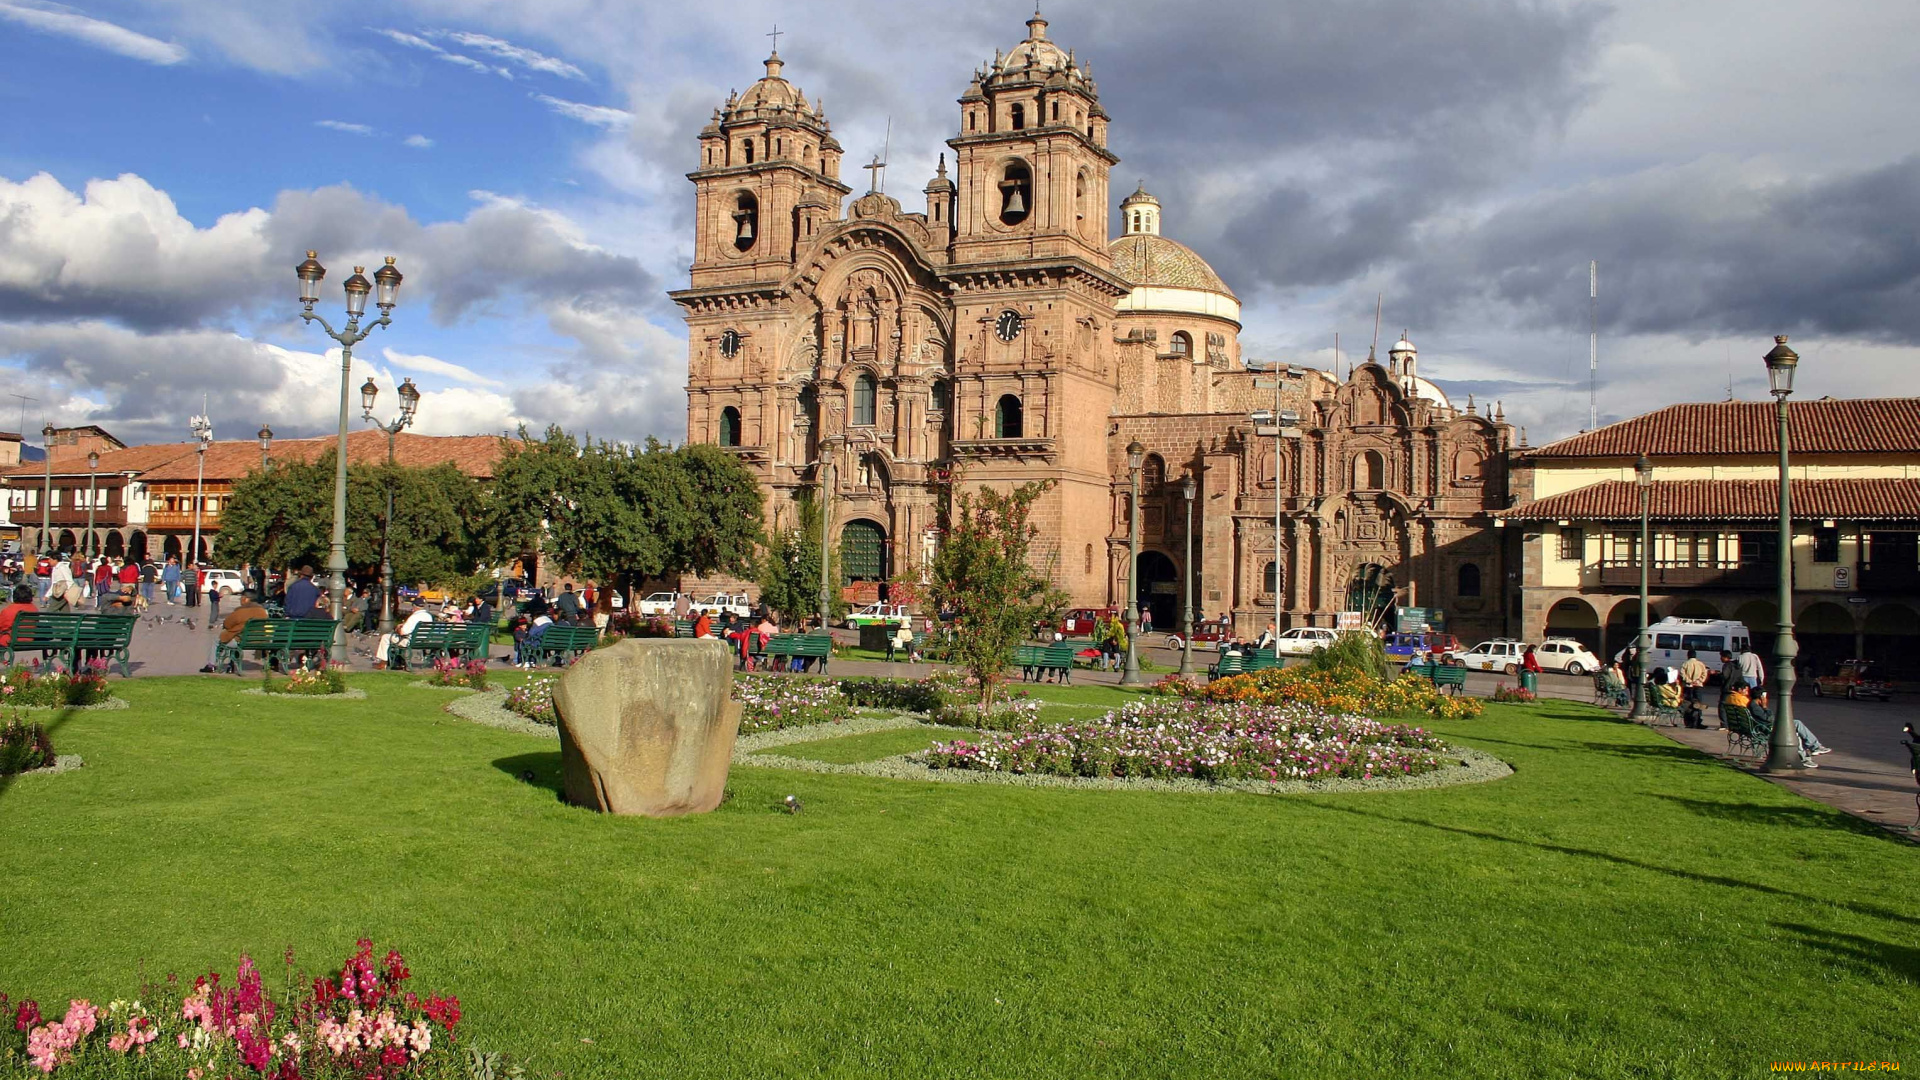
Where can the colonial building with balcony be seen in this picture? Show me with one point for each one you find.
(1714, 525)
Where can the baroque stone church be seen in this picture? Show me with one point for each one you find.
(1002, 335)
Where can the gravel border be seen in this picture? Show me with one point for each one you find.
(351, 693)
(489, 707)
(423, 684)
(99, 706)
(61, 763)
(1473, 767)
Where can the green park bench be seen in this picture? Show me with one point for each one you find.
(895, 652)
(75, 635)
(800, 646)
(683, 628)
(1451, 677)
(276, 639)
(563, 644)
(1228, 664)
(432, 641)
(1035, 661)
(1261, 661)
(469, 641)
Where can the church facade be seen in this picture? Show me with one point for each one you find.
(1001, 334)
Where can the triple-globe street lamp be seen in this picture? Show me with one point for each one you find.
(1136, 457)
(1643, 478)
(1187, 490)
(266, 444)
(387, 281)
(409, 405)
(203, 434)
(46, 498)
(1783, 749)
(93, 486)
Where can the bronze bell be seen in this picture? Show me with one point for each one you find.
(1016, 204)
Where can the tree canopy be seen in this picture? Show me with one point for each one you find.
(790, 572)
(982, 573)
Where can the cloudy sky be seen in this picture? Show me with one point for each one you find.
(1738, 169)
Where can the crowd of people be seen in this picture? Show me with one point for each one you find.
(75, 582)
(1743, 685)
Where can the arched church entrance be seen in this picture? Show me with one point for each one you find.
(1574, 618)
(1159, 582)
(863, 560)
(1370, 592)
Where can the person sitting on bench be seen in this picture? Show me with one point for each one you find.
(230, 628)
(392, 652)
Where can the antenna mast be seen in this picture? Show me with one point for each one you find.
(1593, 345)
(1378, 300)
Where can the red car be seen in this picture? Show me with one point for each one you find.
(1082, 621)
(1207, 632)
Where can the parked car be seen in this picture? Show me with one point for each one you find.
(879, 614)
(660, 603)
(1565, 654)
(1207, 632)
(1500, 654)
(229, 580)
(1671, 638)
(1853, 679)
(1085, 620)
(1302, 640)
(1402, 648)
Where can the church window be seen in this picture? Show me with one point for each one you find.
(1469, 580)
(1007, 418)
(863, 404)
(973, 121)
(1136, 221)
(1153, 473)
(1370, 471)
(729, 426)
(1056, 111)
(1181, 344)
(1019, 117)
(940, 397)
(1270, 580)
(808, 414)
(1466, 466)
(746, 221)
(1016, 193)
(749, 150)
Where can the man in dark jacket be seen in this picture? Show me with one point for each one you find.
(568, 604)
(303, 596)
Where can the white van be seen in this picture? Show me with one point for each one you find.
(1671, 638)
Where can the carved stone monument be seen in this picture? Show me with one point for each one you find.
(647, 726)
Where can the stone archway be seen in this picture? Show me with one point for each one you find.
(1693, 608)
(137, 546)
(172, 548)
(1824, 632)
(1623, 625)
(1370, 591)
(1572, 617)
(1762, 621)
(115, 548)
(1892, 638)
(863, 559)
(69, 543)
(1159, 584)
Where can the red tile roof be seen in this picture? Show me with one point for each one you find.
(172, 462)
(133, 459)
(1728, 500)
(1728, 428)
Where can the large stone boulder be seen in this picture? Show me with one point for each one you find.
(647, 726)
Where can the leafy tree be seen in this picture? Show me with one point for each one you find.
(982, 574)
(790, 570)
(530, 480)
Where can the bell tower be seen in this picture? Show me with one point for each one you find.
(1032, 158)
(768, 181)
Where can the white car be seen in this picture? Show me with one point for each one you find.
(737, 604)
(1500, 654)
(229, 580)
(660, 603)
(880, 615)
(1302, 640)
(1566, 654)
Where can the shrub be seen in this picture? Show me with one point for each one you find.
(450, 672)
(1516, 695)
(41, 686)
(364, 1024)
(1339, 690)
(918, 695)
(533, 699)
(773, 702)
(628, 624)
(23, 746)
(328, 678)
(1005, 714)
(1203, 741)
(1361, 653)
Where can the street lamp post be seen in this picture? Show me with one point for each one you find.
(266, 443)
(1783, 749)
(203, 434)
(46, 498)
(93, 486)
(1187, 487)
(1136, 455)
(387, 280)
(409, 405)
(1643, 477)
(826, 519)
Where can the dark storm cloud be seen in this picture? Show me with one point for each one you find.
(1697, 250)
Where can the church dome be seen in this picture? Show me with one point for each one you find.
(770, 96)
(1147, 259)
(1036, 51)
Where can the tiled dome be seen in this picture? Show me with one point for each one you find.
(1144, 259)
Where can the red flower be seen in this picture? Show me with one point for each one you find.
(444, 1011)
(28, 1016)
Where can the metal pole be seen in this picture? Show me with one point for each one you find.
(386, 531)
(1783, 749)
(1186, 629)
(1639, 710)
(92, 487)
(826, 518)
(337, 553)
(1279, 440)
(46, 503)
(199, 485)
(1131, 676)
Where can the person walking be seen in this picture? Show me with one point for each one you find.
(1753, 668)
(105, 575)
(148, 578)
(190, 580)
(213, 606)
(170, 580)
(1693, 678)
(1146, 621)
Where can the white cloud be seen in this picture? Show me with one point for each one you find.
(415, 41)
(597, 115)
(418, 142)
(105, 35)
(342, 125)
(437, 366)
(506, 50)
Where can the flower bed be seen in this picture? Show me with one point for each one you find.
(902, 695)
(773, 702)
(1341, 691)
(327, 679)
(1513, 695)
(533, 699)
(364, 1024)
(459, 674)
(1005, 714)
(24, 747)
(38, 687)
(1204, 741)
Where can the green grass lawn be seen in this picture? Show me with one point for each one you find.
(1620, 907)
(872, 746)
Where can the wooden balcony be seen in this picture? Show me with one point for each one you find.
(183, 520)
(1678, 574)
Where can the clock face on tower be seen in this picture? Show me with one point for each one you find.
(1008, 326)
(730, 344)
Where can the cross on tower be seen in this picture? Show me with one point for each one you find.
(873, 173)
(776, 37)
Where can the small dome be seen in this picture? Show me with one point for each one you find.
(1424, 388)
(1036, 51)
(772, 96)
(1402, 346)
(1138, 197)
(1148, 259)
